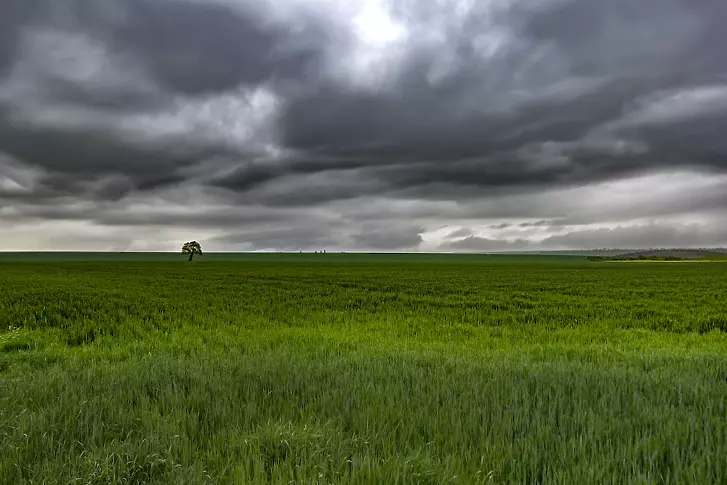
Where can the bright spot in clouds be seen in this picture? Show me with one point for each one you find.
(375, 26)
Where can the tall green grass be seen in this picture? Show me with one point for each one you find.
(355, 370)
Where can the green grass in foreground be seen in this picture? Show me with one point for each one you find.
(348, 369)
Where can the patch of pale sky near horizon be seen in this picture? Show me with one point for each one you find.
(616, 197)
(87, 236)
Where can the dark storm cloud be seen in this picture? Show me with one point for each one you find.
(481, 110)
(520, 115)
(196, 48)
(551, 107)
(76, 155)
(85, 72)
(113, 214)
(13, 14)
(634, 37)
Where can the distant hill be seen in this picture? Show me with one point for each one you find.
(633, 252)
(668, 254)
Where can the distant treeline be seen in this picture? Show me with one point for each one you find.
(637, 258)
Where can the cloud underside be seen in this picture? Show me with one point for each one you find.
(287, 125)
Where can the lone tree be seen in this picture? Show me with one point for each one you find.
(192, 248)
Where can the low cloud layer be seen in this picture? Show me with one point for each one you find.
(364, 125)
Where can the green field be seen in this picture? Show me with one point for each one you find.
(361, 369)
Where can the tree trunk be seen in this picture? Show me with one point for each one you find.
(191, 255)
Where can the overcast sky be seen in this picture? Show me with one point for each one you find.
(454, 125)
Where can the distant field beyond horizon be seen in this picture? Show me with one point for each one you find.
(300, 256)
(99, 256)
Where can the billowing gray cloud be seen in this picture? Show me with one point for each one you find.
(14, 15)
(477, 244)
(461, 233)
(299, 123)
(389, 238)
(654, 235)
(200, 48)
(282, 239)
(643, 236)
(133, 89)
(319, 236)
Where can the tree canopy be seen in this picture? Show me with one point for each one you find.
(191, 248)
